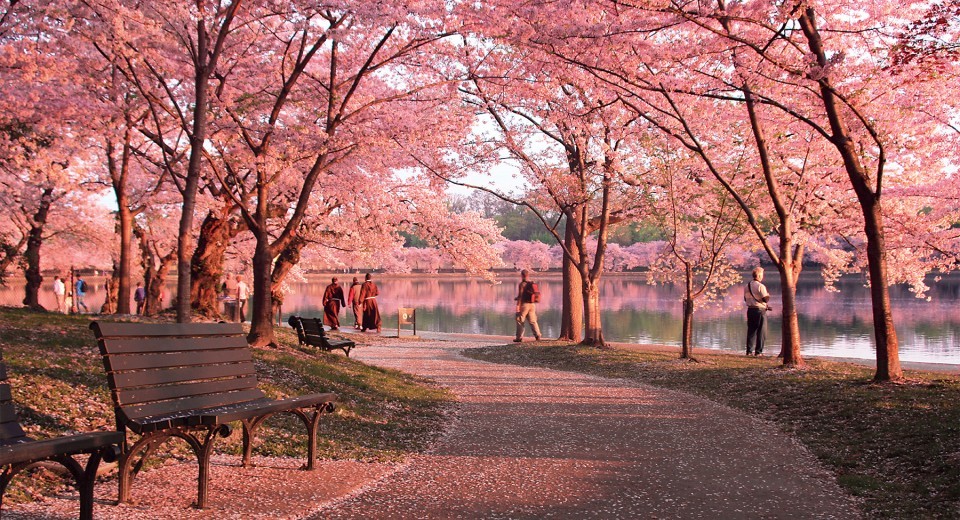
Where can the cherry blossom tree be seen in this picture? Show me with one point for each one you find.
(572, 143)
(702, 221)
(170, 53)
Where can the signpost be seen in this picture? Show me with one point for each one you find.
(407, 316)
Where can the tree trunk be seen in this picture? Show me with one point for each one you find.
(112, 288)
(571, 312)
(593, 331)
(31, 256)
(790, 325)
(888, 348)
(686, 344)
(289, 257)
(206, 265)
(153, 284)
(261, 323)
(126, 242)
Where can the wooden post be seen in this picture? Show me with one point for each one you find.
(71, 289)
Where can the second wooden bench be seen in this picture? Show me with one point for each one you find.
(188, 381)
(310, 332)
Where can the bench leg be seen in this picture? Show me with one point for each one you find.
(127, 470)
(85, 485)
(312, 422)
(250, 427)
(202, 449)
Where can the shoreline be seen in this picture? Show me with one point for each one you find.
(942, 368)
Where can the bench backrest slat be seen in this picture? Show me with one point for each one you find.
(122, 345)
(10, 429)
(120, 363)
(164, 376)
(143, 330)
(156, 370)
(148, 394)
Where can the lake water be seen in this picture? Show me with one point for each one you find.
(837, 324)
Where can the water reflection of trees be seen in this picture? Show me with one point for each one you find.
(637, 312)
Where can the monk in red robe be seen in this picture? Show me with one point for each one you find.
(332, 301)
(356, 303)
(371, 312)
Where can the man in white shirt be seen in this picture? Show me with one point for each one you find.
(60, 291)
(242, 292)
(755, 295)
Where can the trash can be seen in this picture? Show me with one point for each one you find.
(230, 309)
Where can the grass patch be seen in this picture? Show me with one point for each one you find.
(896, 446)
(60, 387)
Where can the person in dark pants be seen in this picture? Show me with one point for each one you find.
(755, 295)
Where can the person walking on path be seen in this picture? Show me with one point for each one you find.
(528, 294)
(371, 312)
(140, 296)
(60, 292)
(243, 291)
(755, 295)
(356, 303)
(332, 301)
(80, 291)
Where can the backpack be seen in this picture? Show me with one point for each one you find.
(83, 286)
(531, 291)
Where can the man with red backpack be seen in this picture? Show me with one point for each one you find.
(528, 295)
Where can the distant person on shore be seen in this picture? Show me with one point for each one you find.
(332, 301)
(80, 291)
(528, 294)
(140, 296)
(371, 312)
(356, 303)
(755, 295)
(60, 292)
(243, 291)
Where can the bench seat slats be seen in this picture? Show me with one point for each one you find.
(133, 396)
(45, 449)
(267, 406)
(166, 375)
(130, 345)
(177, 359)
(230, 413)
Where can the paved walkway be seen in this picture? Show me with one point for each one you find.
(537, 443)
(526, 443)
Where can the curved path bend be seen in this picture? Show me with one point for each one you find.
(539, 443)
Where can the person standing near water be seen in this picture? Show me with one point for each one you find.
(60, 292)
(528, 294)
(755, 295)
(368, 298)
(356, 303)
(332, 300)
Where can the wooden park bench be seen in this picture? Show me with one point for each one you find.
(188, 381)
(310, 332)
(19, 452)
